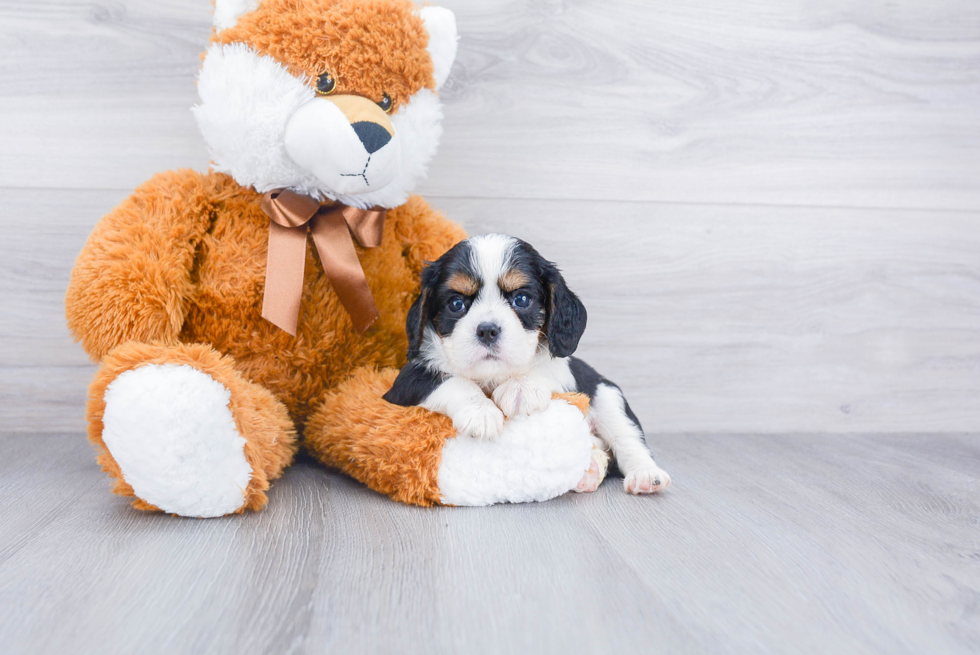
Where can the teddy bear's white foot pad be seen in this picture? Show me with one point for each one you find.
(535, 458)
(170, 429)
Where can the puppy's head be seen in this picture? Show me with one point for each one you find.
(488, 306)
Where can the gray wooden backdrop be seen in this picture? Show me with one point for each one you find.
(770, 207)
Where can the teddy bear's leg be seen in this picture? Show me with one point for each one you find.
(414, 455)
(393, 450)
(182, 431)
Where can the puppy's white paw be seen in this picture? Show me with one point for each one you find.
(521, 396)
(480, 420)
(646, 479)
(598, 466)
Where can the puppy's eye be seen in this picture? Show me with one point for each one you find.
(386, 104)
(456, 305)
(326, 84)
(521, 301)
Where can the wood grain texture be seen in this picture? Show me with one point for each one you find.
(727, 319)
(838, 103)
(811, 544)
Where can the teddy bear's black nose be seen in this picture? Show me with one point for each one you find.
(373, 136)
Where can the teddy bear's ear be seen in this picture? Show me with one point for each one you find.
(440, 23)
(227, 12)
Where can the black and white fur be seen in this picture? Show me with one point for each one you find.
(494, 317)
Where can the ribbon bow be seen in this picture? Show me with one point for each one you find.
(334, 227)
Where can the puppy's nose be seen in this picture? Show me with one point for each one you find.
(373, 136)
(487, 333)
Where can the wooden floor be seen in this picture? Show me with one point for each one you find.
(764, 544)
(772, 212)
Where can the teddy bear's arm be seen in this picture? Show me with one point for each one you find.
(133, 276)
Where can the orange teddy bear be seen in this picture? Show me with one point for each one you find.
(220, 331)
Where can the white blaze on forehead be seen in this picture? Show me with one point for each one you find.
(491, 257)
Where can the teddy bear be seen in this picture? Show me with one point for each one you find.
(237, 314)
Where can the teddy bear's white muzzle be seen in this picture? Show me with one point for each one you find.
(348, 158)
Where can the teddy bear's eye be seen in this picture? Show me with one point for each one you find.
(386, 103)
(326, 84)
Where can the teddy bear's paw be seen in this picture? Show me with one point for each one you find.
(646, 479)
(170, 429)
(480, 420)
(521, 396)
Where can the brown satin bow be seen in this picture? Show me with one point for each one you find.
(334, 227)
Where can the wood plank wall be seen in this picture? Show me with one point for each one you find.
(771, 208)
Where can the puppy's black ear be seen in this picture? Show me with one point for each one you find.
(418, 313)
(566, 314)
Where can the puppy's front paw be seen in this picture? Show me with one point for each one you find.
(646, 480)
(480, 420)
(521, 396)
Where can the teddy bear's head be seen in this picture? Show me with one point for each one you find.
(336, 99)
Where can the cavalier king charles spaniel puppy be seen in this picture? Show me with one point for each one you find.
(491, 335)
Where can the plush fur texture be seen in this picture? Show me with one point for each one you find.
(266, 126)
(535, 458)
(226, 12)
(247, 103)
(260, 419)
(393, 450)
(169, 428)
(372, 47)
(183, 260)
(441, 26)
(414, 455)
(171, 281)
(174, 276)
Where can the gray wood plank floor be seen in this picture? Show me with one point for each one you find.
(765, 544)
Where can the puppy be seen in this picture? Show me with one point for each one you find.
(491, 335)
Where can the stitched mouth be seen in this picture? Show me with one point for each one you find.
(362, 174)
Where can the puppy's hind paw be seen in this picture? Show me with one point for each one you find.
(596, 473)
(646, 480)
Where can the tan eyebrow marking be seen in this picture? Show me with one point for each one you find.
(512, 280)
(463, 283)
